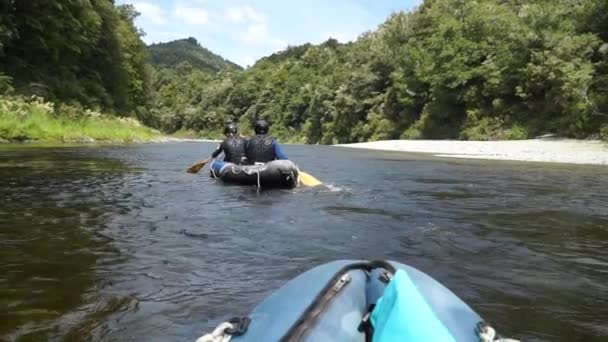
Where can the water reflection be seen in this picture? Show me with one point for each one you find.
(50, 210)
(119, 243)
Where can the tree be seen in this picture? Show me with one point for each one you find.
(84, 51)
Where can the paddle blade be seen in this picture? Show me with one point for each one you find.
(308, 180)
(196, 167)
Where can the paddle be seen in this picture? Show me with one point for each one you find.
(307, 179)
(197, 167)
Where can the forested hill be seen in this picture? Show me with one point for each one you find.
(188, 50)
(452, 69)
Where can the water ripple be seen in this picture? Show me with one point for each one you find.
(117, 243)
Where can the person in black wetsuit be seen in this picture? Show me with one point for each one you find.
(233, 146)
(262, 147)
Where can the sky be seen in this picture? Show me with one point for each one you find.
(244, 30)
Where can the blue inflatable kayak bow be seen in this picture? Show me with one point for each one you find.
(354, 300)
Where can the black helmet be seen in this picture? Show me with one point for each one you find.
(230, 129)
(260, 127)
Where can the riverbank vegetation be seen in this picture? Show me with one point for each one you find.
(450, 69)
(454, 69)
(83, 58)
(33, 119)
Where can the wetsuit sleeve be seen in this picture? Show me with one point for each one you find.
(278, 152)
(217, 151)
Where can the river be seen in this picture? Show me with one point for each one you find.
(119, 243)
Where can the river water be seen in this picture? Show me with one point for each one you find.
(120, 244)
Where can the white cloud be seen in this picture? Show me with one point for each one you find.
(191, 15)
(150, 12)
(255, 34)
(240, 14)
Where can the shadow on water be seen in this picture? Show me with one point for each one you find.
(50, 210)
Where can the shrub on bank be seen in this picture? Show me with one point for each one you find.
(203, 134)
(24, 119)
(478, 127)
(604, 133)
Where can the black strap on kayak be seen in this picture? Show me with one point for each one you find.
(366, 326)
(308, 319)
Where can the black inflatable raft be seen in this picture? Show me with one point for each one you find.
(274, 174)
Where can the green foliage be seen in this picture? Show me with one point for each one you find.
(34, 119)
(6, 84)
(70, 50)
(415, 131)
(451, 69)
(604, 132)
(490, 128)
(171, 54)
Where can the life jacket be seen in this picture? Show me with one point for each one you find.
(234, 149)
(259, 149)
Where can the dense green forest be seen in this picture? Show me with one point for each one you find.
(88, 52)
(187, 52)
(451, 69)
(485, 69)
(84, 58)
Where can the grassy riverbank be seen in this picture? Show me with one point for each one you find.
(32, 119)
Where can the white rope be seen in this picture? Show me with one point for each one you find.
(257, 169)
(218, 335)
(487, 334)
(248, 171)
